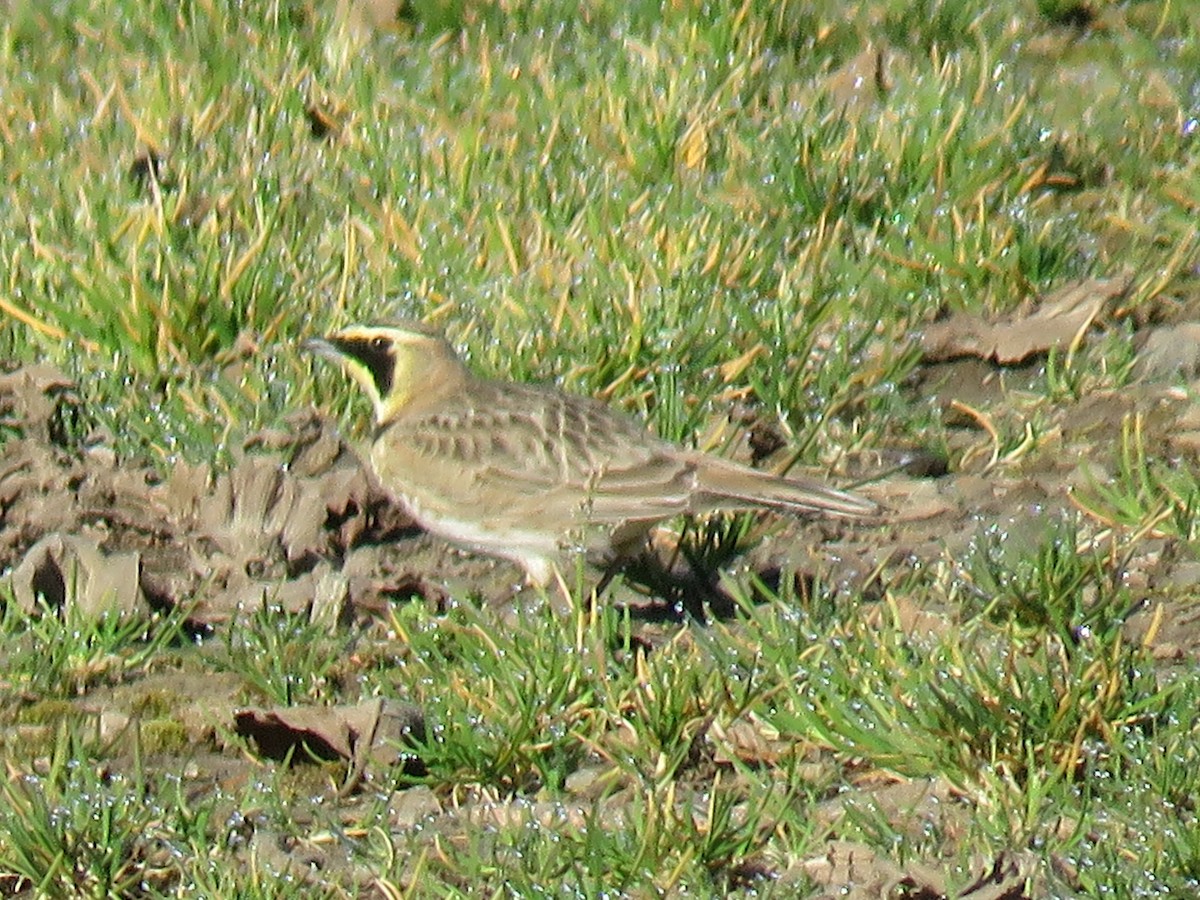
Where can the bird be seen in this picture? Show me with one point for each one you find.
(530, 473)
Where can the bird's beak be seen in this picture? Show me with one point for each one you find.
(322, 347)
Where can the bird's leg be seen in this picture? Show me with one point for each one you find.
(590, 597)
(606, 577)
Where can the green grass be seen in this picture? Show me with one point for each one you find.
(675, 209)
(62, 653)
(688, 188)
(284, 658)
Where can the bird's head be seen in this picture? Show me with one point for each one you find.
(394, 364)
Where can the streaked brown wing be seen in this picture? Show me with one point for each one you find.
(561, 458)
(652, 489)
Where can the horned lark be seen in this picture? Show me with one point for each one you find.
(525, 472)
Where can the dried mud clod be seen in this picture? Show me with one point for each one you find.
(295, 521)
(39, 402)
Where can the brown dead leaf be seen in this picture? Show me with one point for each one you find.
(376, 732)
(1058, 321)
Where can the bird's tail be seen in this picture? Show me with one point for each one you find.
(721, 481)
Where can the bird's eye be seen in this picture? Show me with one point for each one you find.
(379, 344)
